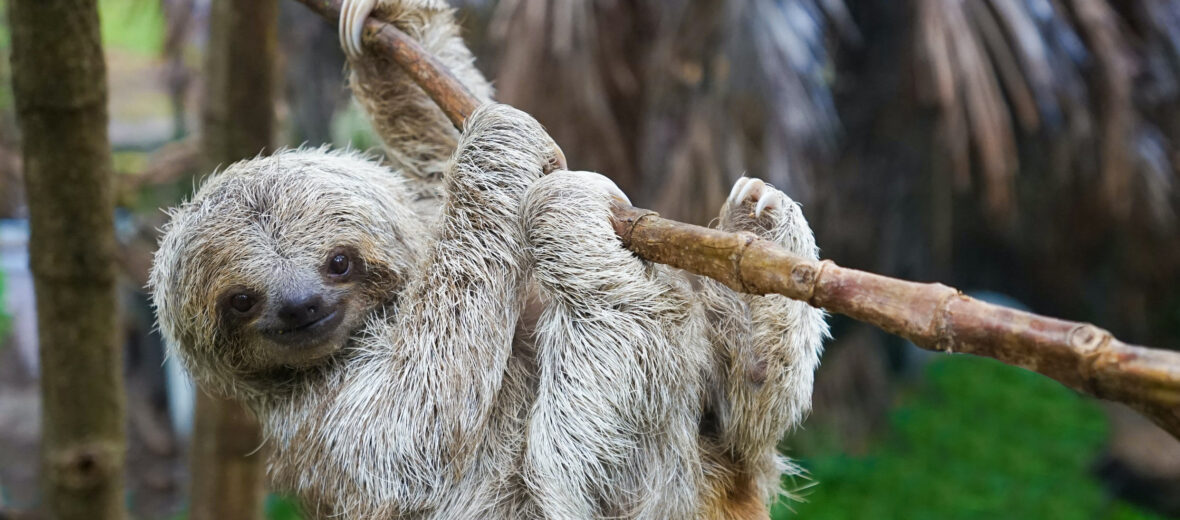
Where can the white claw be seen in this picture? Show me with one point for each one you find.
(343, 26)
(352, 25)
(737, 187)
(755, 186)
(769, 200)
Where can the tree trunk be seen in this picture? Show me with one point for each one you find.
(238, 123)
(60, 84)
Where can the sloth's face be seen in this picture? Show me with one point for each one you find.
(302, 309)
(279, 261)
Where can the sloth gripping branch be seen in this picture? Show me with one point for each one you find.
(933, 316)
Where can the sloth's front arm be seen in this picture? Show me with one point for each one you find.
(438, 361)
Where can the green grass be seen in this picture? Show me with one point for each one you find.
(979, 439)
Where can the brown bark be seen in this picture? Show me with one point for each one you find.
(60, 84)
(238, 123)
(933, 316)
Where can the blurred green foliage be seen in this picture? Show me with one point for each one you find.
(277, 507)
(282, 508)
(352, 129)
(132, 25)
(978, 439)
(7, 104)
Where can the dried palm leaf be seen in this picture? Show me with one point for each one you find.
(1068, 74)
(965, 83)
(1114, 73)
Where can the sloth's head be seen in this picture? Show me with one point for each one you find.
(277, 261)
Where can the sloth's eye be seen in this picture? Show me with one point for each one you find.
(241, 302)
(339, 264)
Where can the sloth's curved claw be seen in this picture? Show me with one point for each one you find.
(769, 199)
(737, 188)
(762, 195)
(752, 187)
(352, 25)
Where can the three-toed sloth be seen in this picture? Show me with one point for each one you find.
(383, 347)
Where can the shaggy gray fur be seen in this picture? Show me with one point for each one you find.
(634, 396)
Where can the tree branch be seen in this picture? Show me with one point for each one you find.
(933, 316)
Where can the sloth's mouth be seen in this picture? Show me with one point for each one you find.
(309, 334)
(315, 324)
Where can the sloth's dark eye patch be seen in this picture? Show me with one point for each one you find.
(241, 302)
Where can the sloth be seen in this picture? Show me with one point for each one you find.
(387, 350)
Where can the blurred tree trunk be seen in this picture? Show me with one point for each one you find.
(226, 462)
(238, 122)
(179, 15)
(239, 118)
(60, 84)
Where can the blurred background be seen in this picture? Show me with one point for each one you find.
(1025, 151)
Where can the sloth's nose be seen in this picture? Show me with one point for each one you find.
(302, 317)
(300, 310)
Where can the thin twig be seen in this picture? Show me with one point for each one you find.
(933, 316)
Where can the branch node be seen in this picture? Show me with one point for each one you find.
(1088, 339)
(739, 255)
(630, 218)
(804, 275)
(1090, 343)
(819, 274)
(942, 325)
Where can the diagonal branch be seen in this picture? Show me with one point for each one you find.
(933, 316)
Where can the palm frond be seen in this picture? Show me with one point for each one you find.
(1062, 73)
